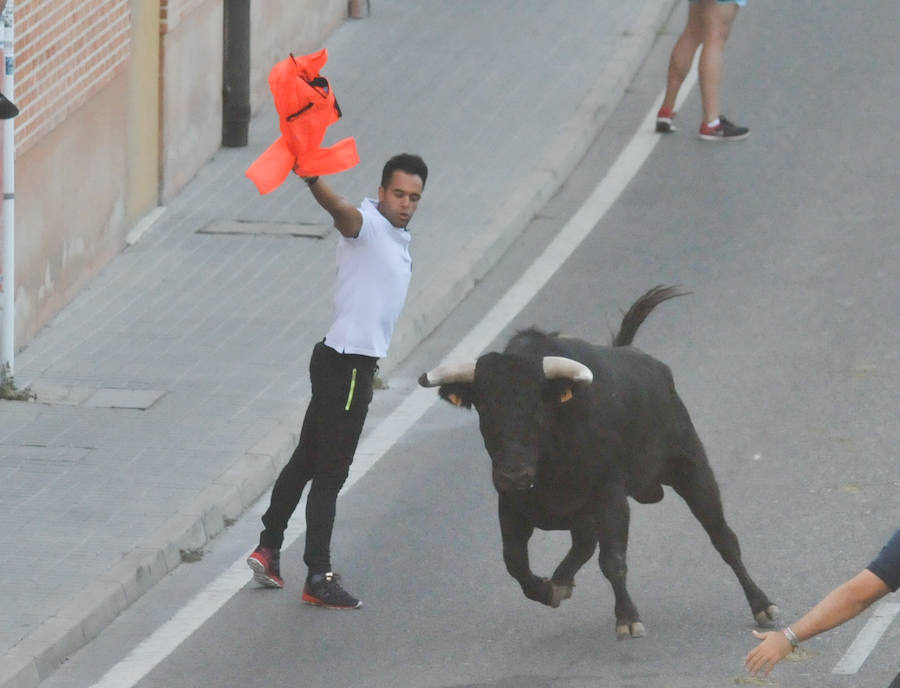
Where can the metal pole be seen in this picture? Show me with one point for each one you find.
(7, 352)
(236, 73)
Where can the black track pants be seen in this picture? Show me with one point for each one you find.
(341, 392)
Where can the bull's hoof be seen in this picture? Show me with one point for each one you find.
(558, 593)
(767, 616)
(547, 592)
(635, 629)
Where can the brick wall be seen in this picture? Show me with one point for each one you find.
(66, 51)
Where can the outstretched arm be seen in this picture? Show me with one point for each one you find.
(347, 219)
(840, 605)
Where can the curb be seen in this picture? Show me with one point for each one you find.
(39, 654)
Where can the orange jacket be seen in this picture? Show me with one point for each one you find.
(306, 107)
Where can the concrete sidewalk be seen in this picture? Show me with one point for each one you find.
(172, 387)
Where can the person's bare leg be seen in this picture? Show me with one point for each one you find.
(683, 54)
(716, 18)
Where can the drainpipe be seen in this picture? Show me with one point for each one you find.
(236, 73)
(8, 344)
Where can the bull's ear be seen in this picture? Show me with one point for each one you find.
(457, 393)
(560, 391)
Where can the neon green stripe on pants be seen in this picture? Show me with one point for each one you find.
(352, 389)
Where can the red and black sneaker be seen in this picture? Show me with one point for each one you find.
(725, 130)
(324, 590)
(665, 121)
(265, 563)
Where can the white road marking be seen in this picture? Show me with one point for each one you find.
(378, 442)
(867, 638)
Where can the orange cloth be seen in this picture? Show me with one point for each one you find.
(306, 107)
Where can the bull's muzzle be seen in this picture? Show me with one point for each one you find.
(513, 481)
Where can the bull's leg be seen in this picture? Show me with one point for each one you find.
(516, 531)
(612, 536)
(584, 543)
(697, 485)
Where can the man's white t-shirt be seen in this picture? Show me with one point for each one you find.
(373, 272)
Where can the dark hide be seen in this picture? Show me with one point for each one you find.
(567, 455)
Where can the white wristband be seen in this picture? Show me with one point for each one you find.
(791, 636)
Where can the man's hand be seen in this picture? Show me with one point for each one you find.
(774, 647)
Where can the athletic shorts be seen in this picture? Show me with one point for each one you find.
(739, 3)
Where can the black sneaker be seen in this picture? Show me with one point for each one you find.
(265, 563)
(324, 590)
(725, 131)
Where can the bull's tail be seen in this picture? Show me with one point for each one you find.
(640, 309)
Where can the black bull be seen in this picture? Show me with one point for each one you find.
(573, 429)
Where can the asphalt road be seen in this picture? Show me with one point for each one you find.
(785, 354)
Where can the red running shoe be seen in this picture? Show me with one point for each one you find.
(265, 563)
(665, 121)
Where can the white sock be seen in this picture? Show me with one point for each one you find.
(713, 124)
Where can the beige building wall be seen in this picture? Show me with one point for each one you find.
(143, 111)
(70, 206)
(72, 75)
(191, 67)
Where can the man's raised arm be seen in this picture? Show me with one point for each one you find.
(347, 219)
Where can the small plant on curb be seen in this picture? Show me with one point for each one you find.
(8, 389)
(189, 556)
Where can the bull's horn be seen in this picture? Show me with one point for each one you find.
(559, 366)
(445, 374)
